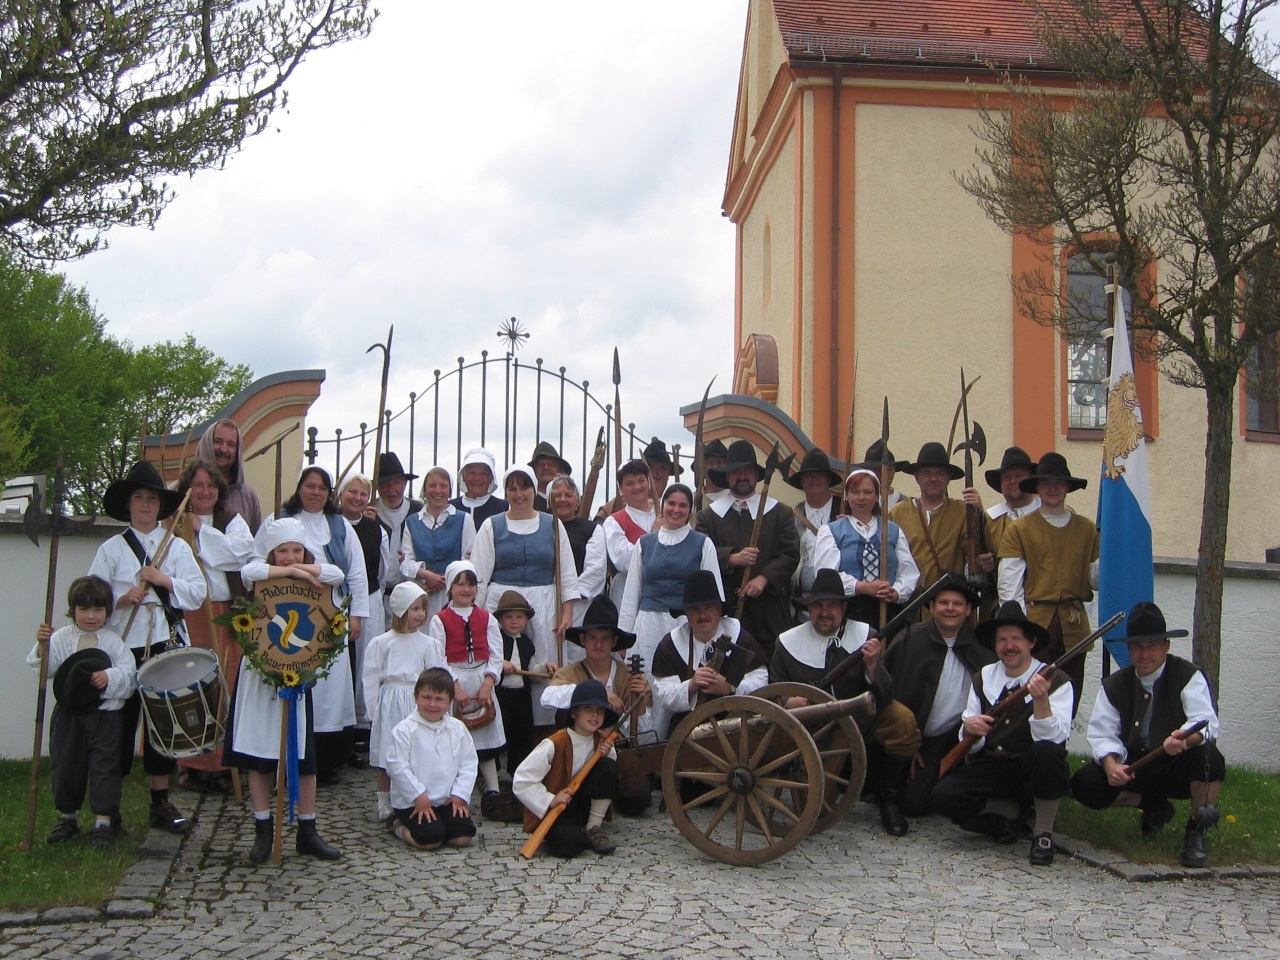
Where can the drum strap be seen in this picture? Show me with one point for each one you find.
(174, 617)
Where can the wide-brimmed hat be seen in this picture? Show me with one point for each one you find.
(512, 600)
(740, 456)
(876, 455)
(1011, 614)
(545, 449)
(815, 461)
(934, 454)
(589, 693)
(656, 452)
(827, 585)
(1013, 457)
(951, 581)
(71, 681)
(389, 468)
(700, 589)
(141, 476)
(1053, 466)
(404, 595)
(1146, 622)
(601, 614)
(715, 448)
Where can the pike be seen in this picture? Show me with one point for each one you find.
(955, 419)
(382, 399)
(277, 444)
(161, 552)
(848, 440)
(617, 413)
(589, 491)
(771, 465)
(699, 455)
(975, 523)
(884, 504)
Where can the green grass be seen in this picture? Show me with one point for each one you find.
(1248, 833)
(68, 873)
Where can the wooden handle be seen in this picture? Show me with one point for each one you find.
(545, 824)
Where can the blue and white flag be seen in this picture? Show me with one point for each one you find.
(1126, 572)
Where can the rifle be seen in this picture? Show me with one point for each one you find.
(1159, 751)
(552, 815)
(1015, 698)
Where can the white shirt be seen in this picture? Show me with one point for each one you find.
(116, 563)
(827, 556)
(673, 695)
(493, 636)
(438, 759)
(818, 518)
(953, 693)
(1003, 508)
(1055, 728)
(483, 557)
(620, 548)
(122, 675)
(595, 566)
(393, 520)
(221, 553)
(527, 782)
(316, 536)
(1106, 737)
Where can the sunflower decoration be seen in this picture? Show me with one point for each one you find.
(241, 623)
(339, 624)
(290, 678)
(252, 623)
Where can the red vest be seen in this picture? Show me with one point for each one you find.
(629, 526)
(455, 638)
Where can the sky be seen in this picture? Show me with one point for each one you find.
(561, 163)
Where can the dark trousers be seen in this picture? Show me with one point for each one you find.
(1162, 779)
(85, 752)
(1039, 774)
(915, 798)
(153, 762)
(517, 723)
(443, 828)
(565, 838)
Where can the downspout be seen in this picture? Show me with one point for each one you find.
(836, 81)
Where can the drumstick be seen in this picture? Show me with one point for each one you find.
(535, 674)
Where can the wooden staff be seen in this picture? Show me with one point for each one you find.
(382, 399)
(593, 478)
(617, 413)
(884, 505)
(158, 559)
(555, 549)
(277, 445)
(771, 465)
(207, 609)
(277, 845)
(699, 454)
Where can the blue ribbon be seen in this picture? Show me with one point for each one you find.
(291, 696)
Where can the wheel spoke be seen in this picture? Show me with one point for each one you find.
(779, 806)
(706, 798)
(729, 754)
(740, 821)
(761, 819)
(785, 784)
(777, 762)
(763, 745)
(706, 776)
(715, 821)
(720, 762)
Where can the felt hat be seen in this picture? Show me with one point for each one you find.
(815, 461)
(951, 581)
(141, 476)
(934, 454)
(545, 449)
(1146, 622)
(589, 693)
(827, 585)
(479, 456)
(715, 448)
(601, 615)
(1011, 614)
(740, 456)
(700, 589)
(512, 600)
(403, 596)
(71, 686)
(1013, 457)
(1053, 466)
(876, 454)
(656, 452)
(389, 468)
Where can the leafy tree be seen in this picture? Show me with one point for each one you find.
(1169, 148)
(100, 101)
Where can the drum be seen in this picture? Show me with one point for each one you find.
(182, 691)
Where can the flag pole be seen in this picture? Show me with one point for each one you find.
(1109, 338)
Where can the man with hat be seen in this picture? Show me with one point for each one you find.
(220, 446)
(150, 596)
(625, 526)
(714, 456)
(932, 665)
(1049, 562)
(815, 478)
(1149, 704)
(771, 560)
(393, 510)
(661, 466)
(880, 461)
(708, 655)
(805, 654)
(546, 464)
(1006, 480)
(1020, 760)
(477, 482)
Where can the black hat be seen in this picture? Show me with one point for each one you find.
(876, 454)
(934, 454)
(589, 693)
(827, 585)
(1053, 466)
(389, 468)
(741, 454)
(700, 588)
(656, 452)
(815, 461)
(1146, 622)
(601, 615)
(1013, 457)
(1011, 614)
(951, 581)
(545, 449)
(141, 476)
(71, 686)
(715, 448)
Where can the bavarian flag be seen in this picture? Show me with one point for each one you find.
(1126, 572)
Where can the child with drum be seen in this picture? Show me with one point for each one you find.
(393, 662)
(432, 762)
(472, 646)
(93, 673)
(256, 712)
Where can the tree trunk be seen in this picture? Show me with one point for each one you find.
(1206, 643)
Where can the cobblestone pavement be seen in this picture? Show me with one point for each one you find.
(851, 892)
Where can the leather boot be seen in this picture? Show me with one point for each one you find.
(264, 836)
(1193, 853)
(893, 779)
(309, 842)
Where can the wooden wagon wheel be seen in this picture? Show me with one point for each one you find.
(729, 756)
(844, 756)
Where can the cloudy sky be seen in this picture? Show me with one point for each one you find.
(561, 163)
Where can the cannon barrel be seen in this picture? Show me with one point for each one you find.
(861, 707)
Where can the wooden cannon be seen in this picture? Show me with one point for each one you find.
(745, 779)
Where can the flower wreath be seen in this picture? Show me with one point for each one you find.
(241, 619)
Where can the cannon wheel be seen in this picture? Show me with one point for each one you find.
(844, 756)
(739, 773)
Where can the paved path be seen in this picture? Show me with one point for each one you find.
(851, 892)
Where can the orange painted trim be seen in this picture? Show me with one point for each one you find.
(824, 339)
(1034, 368)
(745, 177)
(798, 277)
(737, 287)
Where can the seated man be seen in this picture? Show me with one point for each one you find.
(1146, 705)
(805, 653)
(1020, 759)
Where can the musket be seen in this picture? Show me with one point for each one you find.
(382, 399)
(617, 413)
(975, 522)
(589, 491)
(161, 552)
(553, 814)
(1016, 697)
(771, 465)
(1159, 751)
(720, 647)
(884, 504)
(638, 784)
(699, 455)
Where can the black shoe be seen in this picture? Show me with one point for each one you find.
(328, 778)
(63, 830)
(1041, 850)
(1155, 817)
(102, 836)
(891, 815)
(264, 836)
(309, 842)
(357, 762)
(1005, 831)
(893, 780)
(165, 816)
(1193, 853)
(490, 803)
